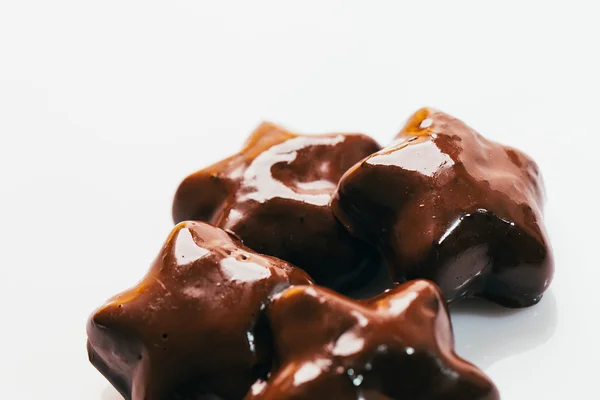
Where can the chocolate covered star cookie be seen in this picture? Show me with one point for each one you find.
(398, 345)
(274, 195)
(190, 326)
(443, 203)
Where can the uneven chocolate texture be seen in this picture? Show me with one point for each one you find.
(398, 345)
(274, 195)
(189, 330)
(443, 203)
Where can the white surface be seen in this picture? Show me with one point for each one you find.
(105, 106)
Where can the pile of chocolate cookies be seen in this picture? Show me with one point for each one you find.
(248, 297)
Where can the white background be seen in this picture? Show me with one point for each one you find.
(106, 105)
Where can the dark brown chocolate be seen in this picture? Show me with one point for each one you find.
(398, 345)
(189, 329)
(275, 196)
(443, 203)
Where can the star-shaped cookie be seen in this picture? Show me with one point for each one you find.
(398, 345)
(191, 325)
(443, 203)
(274, 195)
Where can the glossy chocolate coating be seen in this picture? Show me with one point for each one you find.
(398, 345)
(275, 196)
(443, 203)
(189, 329)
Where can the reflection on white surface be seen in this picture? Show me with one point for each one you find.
(486, 333)
(110, 393)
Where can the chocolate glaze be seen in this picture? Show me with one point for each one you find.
(189, 329)
(443, 203)
(275, 196)
(398, 345)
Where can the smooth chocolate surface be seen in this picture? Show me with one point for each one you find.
(398, 345)
(274, 194)
(443, 203)
(189, 329)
